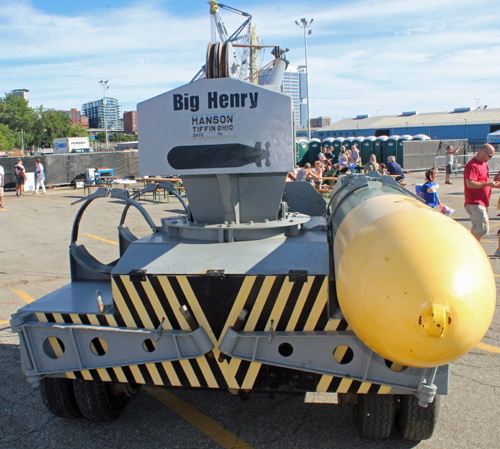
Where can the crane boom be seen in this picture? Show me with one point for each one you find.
(244, 67)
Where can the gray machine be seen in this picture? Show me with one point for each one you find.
(238, 293)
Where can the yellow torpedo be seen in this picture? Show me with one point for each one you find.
(415, 286)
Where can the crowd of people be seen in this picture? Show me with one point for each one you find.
(348, 161)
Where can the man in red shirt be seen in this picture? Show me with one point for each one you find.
(477, 190)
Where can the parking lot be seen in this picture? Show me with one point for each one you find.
(35, 232)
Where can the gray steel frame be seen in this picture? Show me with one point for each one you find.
(125, 346)
(313, 352)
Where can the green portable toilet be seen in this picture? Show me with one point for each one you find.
(421, 137)
(302, 148)
(379, 148)
(357, 141)
(337, 146)
(328, 142)
(399, 152)
(313, 151)
(391, 147)
(348, 142)
(367, 149)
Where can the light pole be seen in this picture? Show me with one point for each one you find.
(306, 25)
(104, 87)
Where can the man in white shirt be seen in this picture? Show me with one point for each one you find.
(448, 161)
(2, 176)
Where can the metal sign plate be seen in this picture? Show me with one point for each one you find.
(216, 126)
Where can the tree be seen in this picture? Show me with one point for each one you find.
(119, 137)
(7, 138)
(77, 131)
(101, 136)
(50, 125)
(39, 126)
(16, 114)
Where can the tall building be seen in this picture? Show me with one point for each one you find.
(294, 85)
(104, 113)
(19, 92)
(77, 118)
(130, 122)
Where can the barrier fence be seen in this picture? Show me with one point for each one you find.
(66, 169)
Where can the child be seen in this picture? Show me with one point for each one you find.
(428, 191)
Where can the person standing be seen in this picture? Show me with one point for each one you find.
(20, 173)
(40, 177)
(2, 176)
(353, 159)
(477, 191)
(448, 161)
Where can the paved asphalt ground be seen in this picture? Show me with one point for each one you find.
(34, 239)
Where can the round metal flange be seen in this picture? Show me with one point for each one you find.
(223, 62)
(180, 227)
(215, 60)
(220, 73)
(208, 64)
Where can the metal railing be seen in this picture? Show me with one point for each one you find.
(460, 162)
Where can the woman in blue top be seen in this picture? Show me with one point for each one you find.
(428, 191)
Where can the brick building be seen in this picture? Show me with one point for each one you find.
(77, 118)
(130, 122)
(320, 122)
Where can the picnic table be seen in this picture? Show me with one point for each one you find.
(158, 179)
(113, 181)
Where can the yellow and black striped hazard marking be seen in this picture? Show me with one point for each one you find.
(216, 304)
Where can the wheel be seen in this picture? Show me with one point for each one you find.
(58, 395)
(99, 401)
(375, 415)
(417, 423)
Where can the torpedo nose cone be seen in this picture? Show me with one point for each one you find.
(414, 285)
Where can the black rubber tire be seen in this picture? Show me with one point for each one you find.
(58, 395)
(375, 415)
(97, 402)
(417, 423)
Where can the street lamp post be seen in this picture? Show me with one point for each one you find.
(306, 25)
(104, 87)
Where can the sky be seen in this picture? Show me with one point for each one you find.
(377, 57)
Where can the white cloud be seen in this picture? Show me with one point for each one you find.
(430, 55)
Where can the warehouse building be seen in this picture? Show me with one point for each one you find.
(461, 123)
